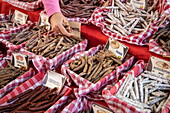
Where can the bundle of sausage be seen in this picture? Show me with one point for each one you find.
(33, 100)
(79, 8)
(9, 73)
(148, 92)
(8, 24)
(51, 45)
(95, 67)
(124, 19)
(27, 34)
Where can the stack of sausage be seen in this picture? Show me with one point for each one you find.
(124, 19)
(8, 24)
(93, 68)
(148, 92)
(36, 100)
(27, 34)
(51, 45)
(9, 73)
(79, 8)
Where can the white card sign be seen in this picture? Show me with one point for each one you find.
(100, 109)
(117, 48)
(20, 60)
(76, 27)
(139, 3)
(54, 80)
(19, 17)
(159, 66)
(44, 20)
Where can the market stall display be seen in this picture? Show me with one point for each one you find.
(10, 28)
(92, 75)
(86, 87)
(28, 5)
(160, 42)
(125, 22)
(31, 91)
(96, 67)
(138, 91)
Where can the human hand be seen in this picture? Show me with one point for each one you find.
(58, 21)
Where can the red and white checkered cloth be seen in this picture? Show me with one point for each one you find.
(33, 6)
(77, 105)
(85, 86)
(119, 106)
(6, 34)
(33, 83)
(138, 39)
(155, 48)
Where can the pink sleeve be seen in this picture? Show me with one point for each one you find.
(51, 6)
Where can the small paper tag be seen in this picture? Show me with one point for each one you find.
(44, 20)
(100, 109)
(76, 27)
(19, 17)
(139, 3)
(117, 48)
(54, 80)
(159, 66)
(20, 60)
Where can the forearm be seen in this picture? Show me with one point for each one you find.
(51, 6)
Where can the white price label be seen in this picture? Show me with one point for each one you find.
(19, 17)
(159, 66)
(117, 48)
(20, 60)
(139, 3)
(100, 109)
(44, 20)
(54, 80)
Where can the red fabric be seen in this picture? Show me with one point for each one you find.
(5, 7)
(95, 37)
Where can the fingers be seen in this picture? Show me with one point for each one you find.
(63, 30)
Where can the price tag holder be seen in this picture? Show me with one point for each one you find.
(139, 3)
(43, 20)
(119, 49)
(76, 27)
(100, 109)
(19, 17)
(54, 80)
(159, 66)
(20, 60)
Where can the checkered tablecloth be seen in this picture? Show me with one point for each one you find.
(138, 39)
(77, 105)
(84, 86)
(6, 34)
(33, 6)
(155, 48)
(119, 106)
(32, 83)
